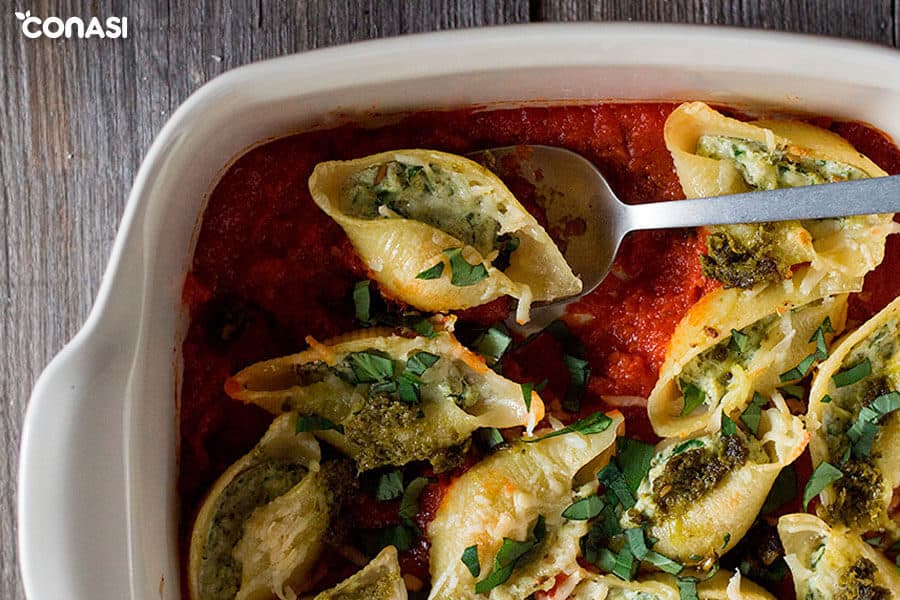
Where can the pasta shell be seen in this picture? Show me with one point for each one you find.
(502, 497)
(862, 497)
(837, 249)
(781, 319)
(470, 209)
(378, 580)
(834, 562)
(260, 528)
(717, 520)
(458, 394)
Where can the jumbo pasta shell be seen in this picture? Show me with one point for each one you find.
(723, 585)
(464, 199)
(786, 316)
(378, 580)
(458, 394)
(501, 497)
(261, 527)
(863, 498)
(717, 520)
(834, 562)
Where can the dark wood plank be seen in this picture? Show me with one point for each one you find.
(870, 20)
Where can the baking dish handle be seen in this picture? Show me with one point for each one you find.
(73, 540)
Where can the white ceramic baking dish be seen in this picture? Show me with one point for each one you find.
(97, 505)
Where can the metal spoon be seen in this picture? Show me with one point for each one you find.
(581, 195)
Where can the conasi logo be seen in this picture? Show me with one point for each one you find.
(54, 27)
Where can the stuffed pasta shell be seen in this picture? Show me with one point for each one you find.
(385, 399)
(732, 344)
(716, 155)
(834, 563)
(505, 515)
(855, 411)
(721, 586)
(441, 232)
(263, 524)
(701, 495)
(378, 580)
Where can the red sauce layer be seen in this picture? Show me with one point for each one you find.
(270, 268)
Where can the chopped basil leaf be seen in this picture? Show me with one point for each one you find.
(792, 390)
(470, 559)
(687, 445)
(493, 344)
(625, 566)
(783, 490)
(419, 362)
(614, 481)
(824, 475)
(584, 509)
(463, 273)
(509, 554)
(863, 431)
(825, 399)
(739, 341)
(663, 563)
(633, 458)
(725, 539)
(316, 423)
(728, 426)
(390, 486)
(800, 371)
(423, 326)
(816, 556)
(409, 504)
(527, 389)
(606, 560)
(693, 397)
(408, 389)
(371, 366)
(399, 536)
(818, 337)
(362, 302)
(433, 272)
(687, 589)
(595, 423)
(579, 373)
(636, 542)
(489, 438)
(855, 373)
(753, 413)
(875, 542)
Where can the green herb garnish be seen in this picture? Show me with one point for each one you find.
(579, 373)
(508, 556)
(783, 490)
(792, 390)
(470, 559)
(371, 366)
(614, 481)
(800, 371)
(824, 475)
(633, 458)
(625, 566)
(409, 504)
(316, 423)
(595, 423)
(728, 426)
(739, 341)
(433, 272)
(687, 588)
(753, 413)
(856, 373)
(863, 431)
(362, 302)
(686, 445)
(493, 344)
(693, 397)
(390, 486)
(584, 509)
(463, 273)
(819, 338)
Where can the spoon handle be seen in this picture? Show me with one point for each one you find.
(866, 196)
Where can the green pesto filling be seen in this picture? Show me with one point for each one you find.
(858, 583)
(429, 194)
(691, 474)
(746, 255)
(711, 370)
(220, 573)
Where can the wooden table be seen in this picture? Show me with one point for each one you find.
(76, 117)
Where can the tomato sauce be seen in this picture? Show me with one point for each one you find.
(270, 268)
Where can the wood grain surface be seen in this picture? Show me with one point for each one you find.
(76, 116)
